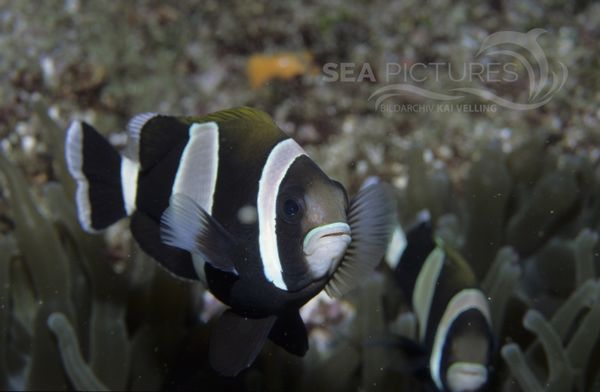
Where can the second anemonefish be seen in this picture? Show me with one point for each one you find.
(230, 199)
(453, 315)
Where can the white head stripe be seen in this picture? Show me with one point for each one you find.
(198, 167)
(129, 178)
(278, 163)
(425, 288)
(74, 157)
(466, 299)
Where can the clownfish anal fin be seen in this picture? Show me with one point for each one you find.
(146, 232)
(186, 225)
(410, 348)
(289, 332)
(371, 217)
(414, 356)
(236, 341)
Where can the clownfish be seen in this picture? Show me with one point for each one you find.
(229, 199)
(454, 331)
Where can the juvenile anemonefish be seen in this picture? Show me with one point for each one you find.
(453, 315)
(229, 199)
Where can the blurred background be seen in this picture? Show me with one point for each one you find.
(516, 191)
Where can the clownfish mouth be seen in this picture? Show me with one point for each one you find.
(324, 247)
(464, 376)
(334, 234)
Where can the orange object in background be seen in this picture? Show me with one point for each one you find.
(263, 68)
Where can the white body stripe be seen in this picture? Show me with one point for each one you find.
(425, 288)
(197, 173)
(396, 247)
(129, 178)
(279, 161)
(74, 157)
(464, 300)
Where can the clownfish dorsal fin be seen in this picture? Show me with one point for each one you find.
(465, 273)
(371, 217)
(243, 113)
(152, 136)
(187, 226)
(235, 341)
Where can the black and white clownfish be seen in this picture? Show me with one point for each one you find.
(453, 316)
(230, 199)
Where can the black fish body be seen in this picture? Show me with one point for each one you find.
(230, 200)
(453, 317)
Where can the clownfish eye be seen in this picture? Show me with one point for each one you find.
(292, 210)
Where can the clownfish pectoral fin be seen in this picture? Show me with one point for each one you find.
(371, 217)
(290, 333)
(186, 225)
(236, 341)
